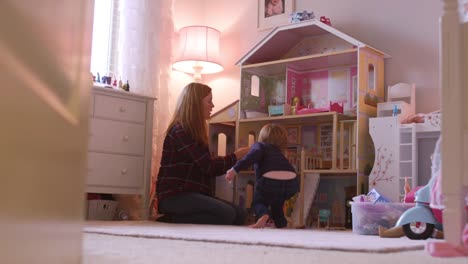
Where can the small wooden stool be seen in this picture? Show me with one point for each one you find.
(323, 216)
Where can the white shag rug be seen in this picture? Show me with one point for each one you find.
(288, 238)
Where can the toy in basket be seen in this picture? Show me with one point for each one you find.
(369, 218)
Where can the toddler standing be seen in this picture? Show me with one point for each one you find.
(275, 177)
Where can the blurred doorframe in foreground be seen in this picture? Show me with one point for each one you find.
(45, 85)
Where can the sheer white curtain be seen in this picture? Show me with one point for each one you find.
(141, 25)
(145, 44)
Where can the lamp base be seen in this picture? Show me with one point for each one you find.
(197, 75)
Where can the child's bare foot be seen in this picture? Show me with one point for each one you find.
(261, 222)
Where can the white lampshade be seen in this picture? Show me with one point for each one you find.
(198, 51)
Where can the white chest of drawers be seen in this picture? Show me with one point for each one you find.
(120, 143)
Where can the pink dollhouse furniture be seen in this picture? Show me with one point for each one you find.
(334, 107)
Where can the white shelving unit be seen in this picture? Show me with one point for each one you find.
(397, 154)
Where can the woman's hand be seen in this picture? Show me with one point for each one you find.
(240, 152)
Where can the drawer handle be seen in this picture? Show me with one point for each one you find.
(122, 109)
(123, 171)
(125, 138)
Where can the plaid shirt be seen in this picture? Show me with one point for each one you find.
(186, 166)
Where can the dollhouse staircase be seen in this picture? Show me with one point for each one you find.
(408, 151)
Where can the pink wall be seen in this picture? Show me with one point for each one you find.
(406, 30)
(236, 22)
(298, 85)
(313, 87)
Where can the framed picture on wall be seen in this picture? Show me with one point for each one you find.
(463, 5)
(273, 13)
(294, 134)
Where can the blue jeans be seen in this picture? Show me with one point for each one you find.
(195, 208)
(273, 193)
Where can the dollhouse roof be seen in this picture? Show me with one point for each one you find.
(226, 114)
(282, 39)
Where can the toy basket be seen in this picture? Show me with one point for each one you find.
(101, 210)
(367, 217)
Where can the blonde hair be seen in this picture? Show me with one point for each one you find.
(189, 112)
(274, 134)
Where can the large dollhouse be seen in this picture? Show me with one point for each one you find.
(322, 86)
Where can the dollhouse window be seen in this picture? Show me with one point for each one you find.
(354, 91)
(371, 80)
(338, 85)
(221, 144)
(255, 86)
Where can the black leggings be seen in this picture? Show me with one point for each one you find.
(272, 193)
(195, 208)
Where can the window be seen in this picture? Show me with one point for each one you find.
(104, 50)
(222, 144)
(255, 86)
(371, 79)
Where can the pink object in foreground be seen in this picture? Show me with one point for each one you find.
(444, 249)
